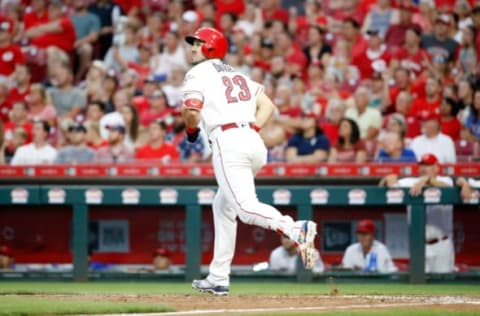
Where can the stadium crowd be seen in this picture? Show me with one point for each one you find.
(353, 80)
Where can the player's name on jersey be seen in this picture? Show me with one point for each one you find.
(221, 67)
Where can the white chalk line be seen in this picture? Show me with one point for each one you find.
(305, 309)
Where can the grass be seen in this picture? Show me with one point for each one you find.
(29, 304)
(32, 306)
(291, 288)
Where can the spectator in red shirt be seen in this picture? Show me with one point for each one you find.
(334, 113)
(375, 53)
(300, 25)
(56, 36)
(94, 140)
(158, 108)
(142, 102)
(142, 66)
(450, 124)
(233, 6)
(294, 57)
(10, 54)
(271, 10)
(18, 119)
(265, 54)
(5, 105)
(36, 14)
(411, 56)
(355, 40)
(130, 7)
(429, 105)
(395, 37)
(157, 148)
(403, 106)
(21, 89)
(349, 9)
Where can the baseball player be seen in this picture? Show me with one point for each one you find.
(368, 254)
(231, 109)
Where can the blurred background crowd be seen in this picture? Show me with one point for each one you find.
(353, 80)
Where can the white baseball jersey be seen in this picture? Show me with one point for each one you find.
(440, 215)
(355, 259)
(228, 96)
(440, 255)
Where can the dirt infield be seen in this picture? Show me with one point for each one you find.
(204, 304)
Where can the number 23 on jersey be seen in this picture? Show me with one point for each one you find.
(231, 84)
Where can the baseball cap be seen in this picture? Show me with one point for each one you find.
(443, 18)
(366, 226)
(428, 159)
(161, 252)
(77, 128)
(116, 127)
(5, 250)
(6, 24)
(190, 16)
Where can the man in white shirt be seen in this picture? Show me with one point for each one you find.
(284, 258)
(440, 255)
(38, 152)
(368, 254)
(172, 56)
(433, 141)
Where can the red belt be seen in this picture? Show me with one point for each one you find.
(228, 126)
(435, 240)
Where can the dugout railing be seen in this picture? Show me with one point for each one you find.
(193, 198)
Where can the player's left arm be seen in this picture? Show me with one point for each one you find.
(265, 108)
(192, 106)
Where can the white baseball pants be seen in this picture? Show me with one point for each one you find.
(238, 154)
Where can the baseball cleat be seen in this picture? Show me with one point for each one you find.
(206, 286)
(305, 242)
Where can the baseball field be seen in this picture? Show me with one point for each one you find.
(246, 298)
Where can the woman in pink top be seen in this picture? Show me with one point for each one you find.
(39, 105)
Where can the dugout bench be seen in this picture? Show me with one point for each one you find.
(193, 198)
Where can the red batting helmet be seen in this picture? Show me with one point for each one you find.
(214, 42)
